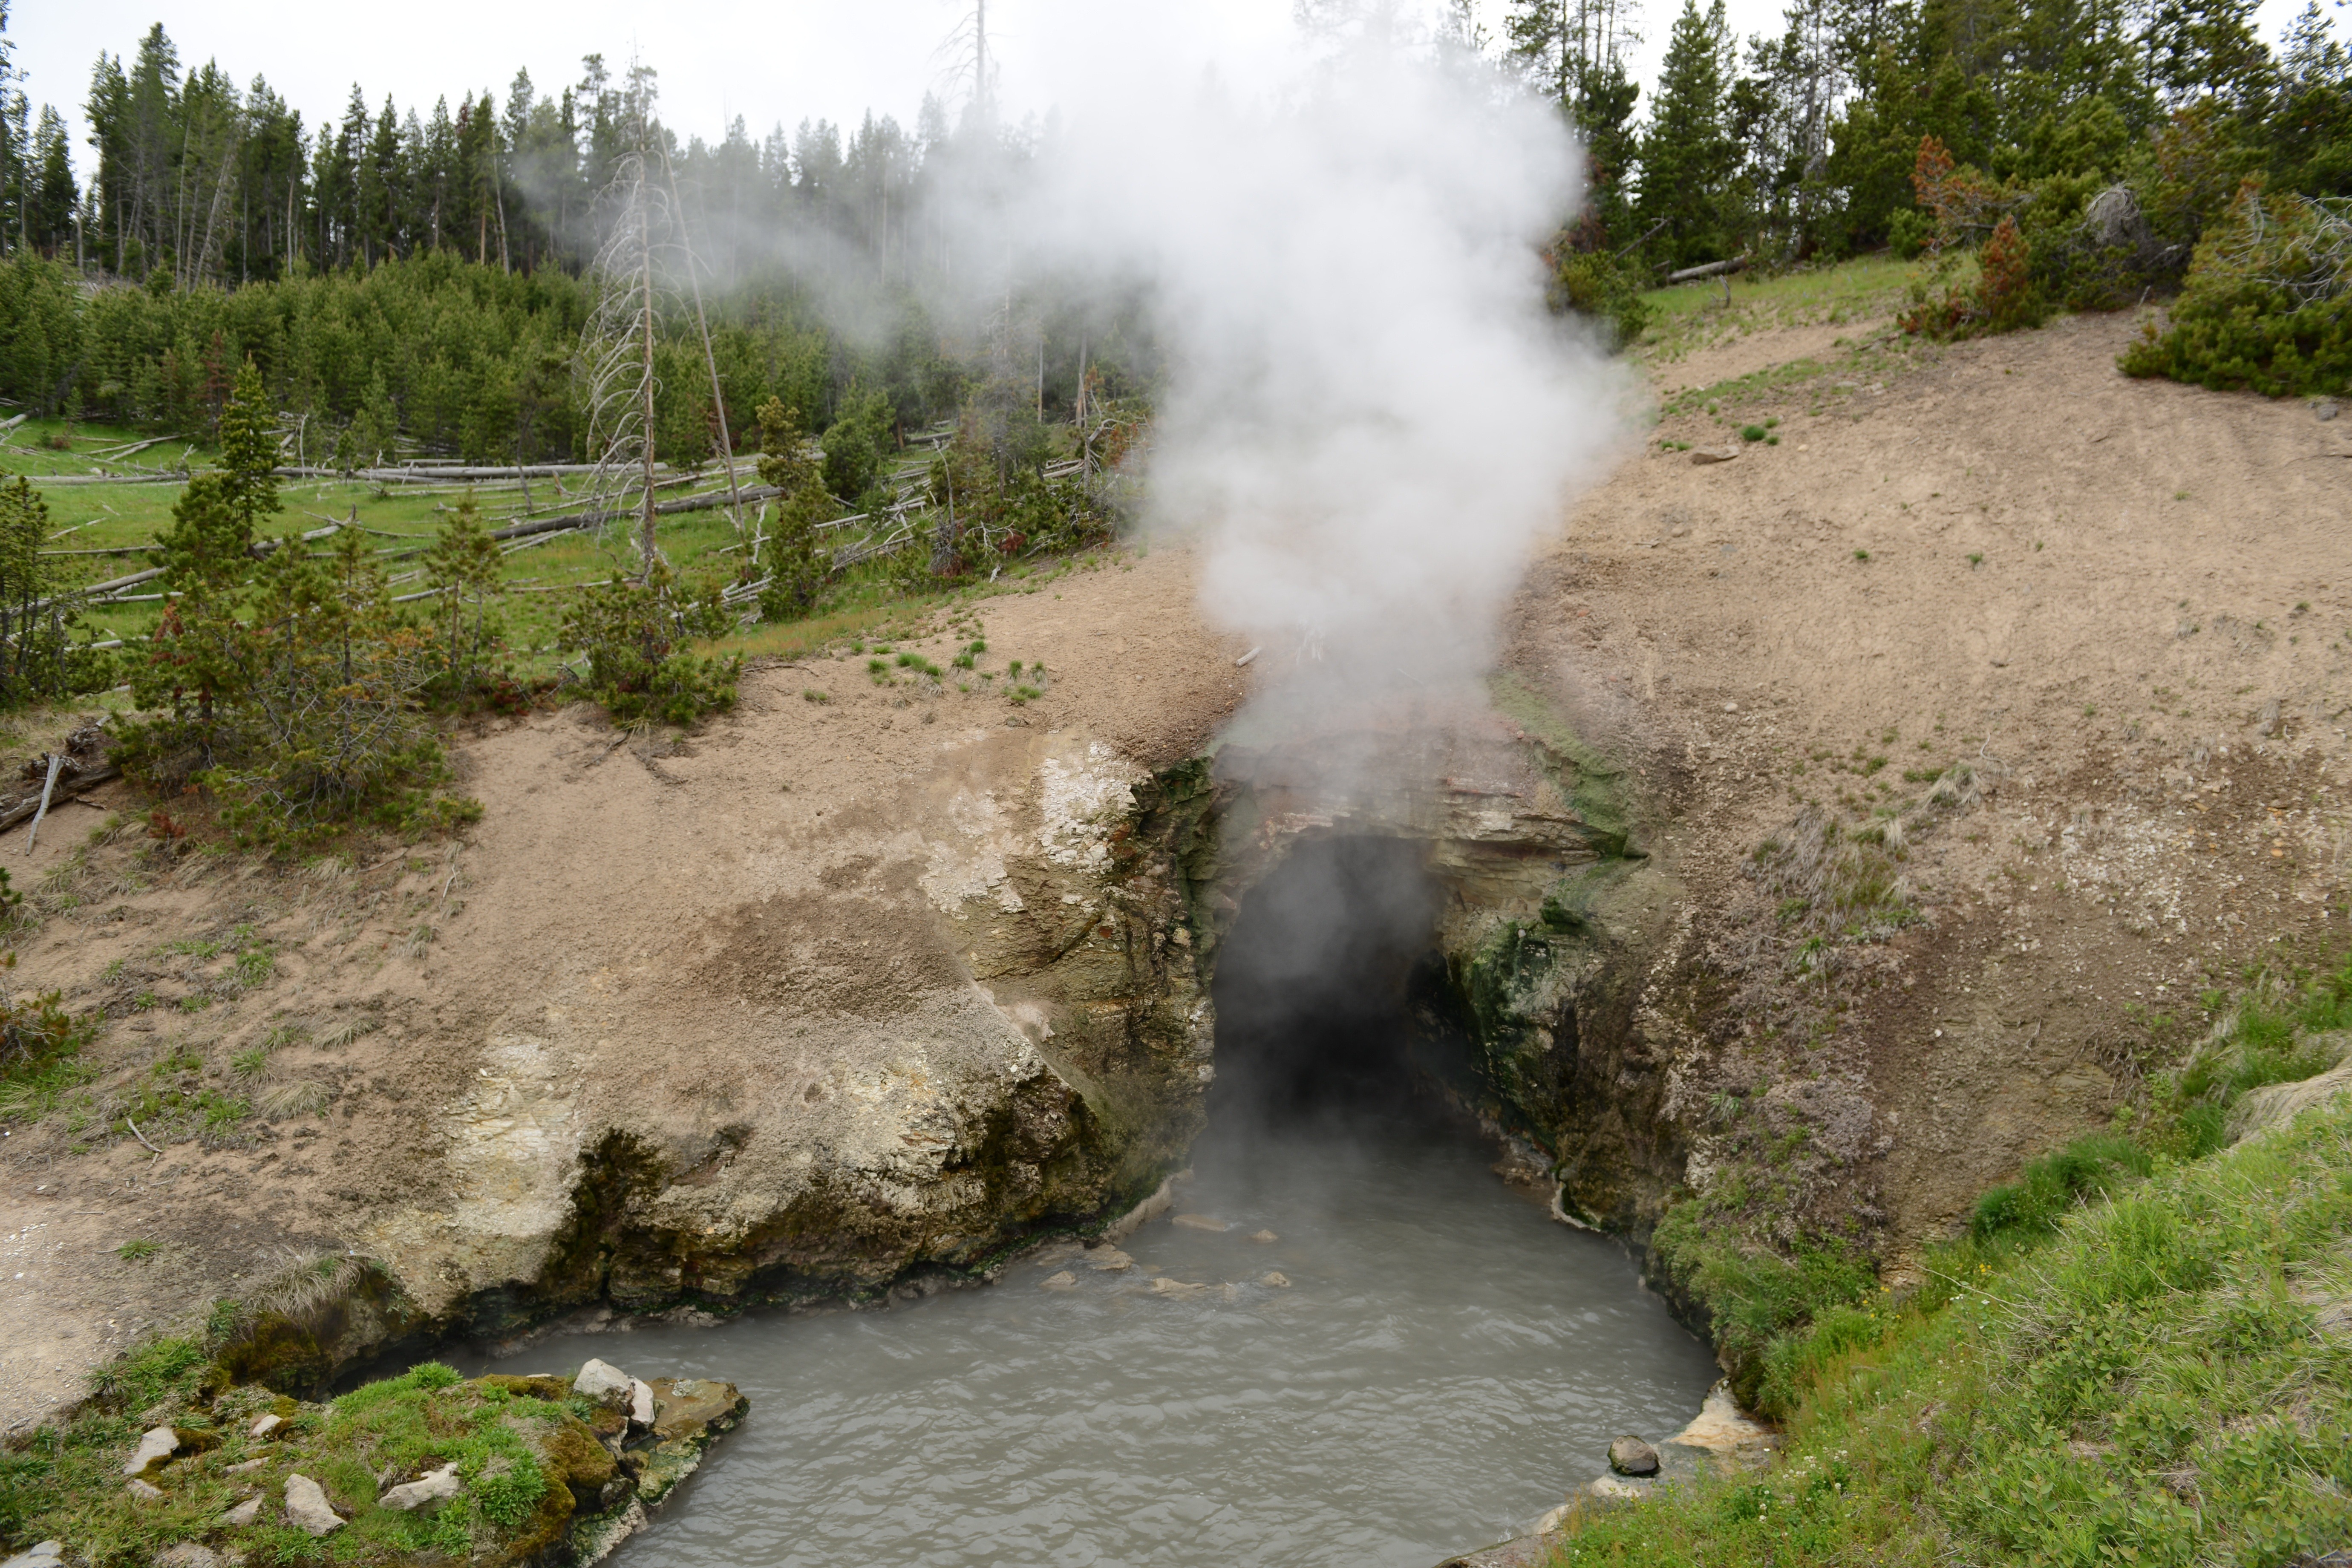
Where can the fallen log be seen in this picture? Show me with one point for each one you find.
(662, 509)
(1712, 269)
(67, 789)
(45, 480)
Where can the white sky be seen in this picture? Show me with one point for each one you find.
(768, 60)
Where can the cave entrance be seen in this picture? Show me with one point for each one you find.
(1315, 982)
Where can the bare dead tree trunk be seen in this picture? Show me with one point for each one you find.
(645, 313)
(710, 358)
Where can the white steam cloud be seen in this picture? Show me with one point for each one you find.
(1371, 418)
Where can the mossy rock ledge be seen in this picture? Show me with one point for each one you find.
(429, 1468)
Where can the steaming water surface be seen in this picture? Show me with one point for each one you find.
(1445, 1362)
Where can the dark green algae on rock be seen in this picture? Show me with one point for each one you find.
(544, 1475)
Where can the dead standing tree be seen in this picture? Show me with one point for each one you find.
(616, 350)
(645, 251)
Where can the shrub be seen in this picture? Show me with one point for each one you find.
(464, 570)
(1908, 232)
(2268, 302)
(39, 1041)
(1596, 285)
(291, 691)
(2003, 297)
(639, 666)
(855, 444)
(305, 714)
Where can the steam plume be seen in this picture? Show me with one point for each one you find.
(1370, 417)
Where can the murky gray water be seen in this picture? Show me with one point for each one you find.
(1445, 1362)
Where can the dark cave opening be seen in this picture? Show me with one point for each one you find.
(1315, 982)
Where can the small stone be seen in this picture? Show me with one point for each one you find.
(427, 1491)
(187, 1554)
(1109, 1260)
(307, 1508)
(154, 1451)
(695, 1407)
(2267, 724)
(1705, 454)
(1264, 1236)
(238, 1469)
(2324, 410)
(243, 1514)
(1199, 1222)
(602, 1382)
(1175, 1287)
(146, 1491)
(1554, 1520)
(641, 1403)
(266, 1427)
(1065, 1280)
(1631, 1457)
(1275, 1279)
(42, 1554)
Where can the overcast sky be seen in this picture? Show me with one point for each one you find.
(767, 60)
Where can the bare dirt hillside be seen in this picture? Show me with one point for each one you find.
(2123, 603)
(664, 935)
(2126, 604)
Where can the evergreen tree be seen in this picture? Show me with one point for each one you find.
(795, 568)
(1687, 152)
(38, 617)
(51, 209)
(203, 650)
(464, 568)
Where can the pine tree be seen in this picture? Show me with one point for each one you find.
(38, 617)
(1688, 153)
(203, 649)
(794, 566)
(212, 524)
(464, 567)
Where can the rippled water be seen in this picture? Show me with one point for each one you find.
(1444, 1363)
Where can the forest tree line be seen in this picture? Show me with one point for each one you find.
(1805, 143)
(214, 182)
(405, 275)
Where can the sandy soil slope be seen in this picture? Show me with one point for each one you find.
(2127, 602)
(2147, 664)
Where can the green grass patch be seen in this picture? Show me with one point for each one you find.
(2161, 1376)
(2138, 1350)
(1848, 291)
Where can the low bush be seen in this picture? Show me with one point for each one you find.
(1604, 290)
(637, 636)
(40, 1043)
(2267, 306)
(2054, 1185)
